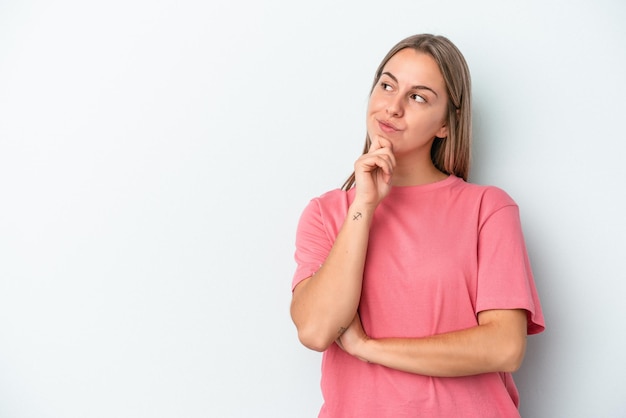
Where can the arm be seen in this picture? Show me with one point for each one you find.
(496, 344)
(324, 305)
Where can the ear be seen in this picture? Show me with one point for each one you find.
(442, 132)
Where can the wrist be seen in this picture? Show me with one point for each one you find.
(361, 212)
(363, 350)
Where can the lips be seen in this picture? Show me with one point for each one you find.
(387, 127)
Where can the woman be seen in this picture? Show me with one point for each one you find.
(414, 283)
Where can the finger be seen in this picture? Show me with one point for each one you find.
(380, 142)
(382, 160)
(383, 146)
(385, 143)
(374, 144)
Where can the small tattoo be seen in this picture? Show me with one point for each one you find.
(341, 331)
(356, 216)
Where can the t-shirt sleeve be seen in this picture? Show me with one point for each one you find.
(505, 278)
(312, 243)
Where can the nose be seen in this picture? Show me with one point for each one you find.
(394, 106)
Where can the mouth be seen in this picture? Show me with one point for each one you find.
(387, 127)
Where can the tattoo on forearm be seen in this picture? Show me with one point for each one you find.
(341, 331)
(356, 216)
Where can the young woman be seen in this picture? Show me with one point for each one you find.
(414, 283)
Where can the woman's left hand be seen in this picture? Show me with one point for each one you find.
(353, 338)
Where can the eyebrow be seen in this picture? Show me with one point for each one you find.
(418, 87)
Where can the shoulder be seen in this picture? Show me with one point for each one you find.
(498, 210)
(324, 214)
(332, 195)
(330, 205)
(485, 199)
(489, 195)
(333, 200)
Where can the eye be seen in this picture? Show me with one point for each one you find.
(386, 86)
(416, 97)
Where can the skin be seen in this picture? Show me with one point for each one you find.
(408, 117)
(406, 112)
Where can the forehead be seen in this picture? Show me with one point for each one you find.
(415, 67)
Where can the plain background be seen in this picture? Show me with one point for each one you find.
(155, 157)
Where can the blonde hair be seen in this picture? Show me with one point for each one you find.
(450, 155)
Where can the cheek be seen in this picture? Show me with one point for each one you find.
(421, 125)
(370, 114)
(375, 103)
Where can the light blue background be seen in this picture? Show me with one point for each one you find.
(155, 157)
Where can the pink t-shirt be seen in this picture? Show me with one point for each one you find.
(438, 255)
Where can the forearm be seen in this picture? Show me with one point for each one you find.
(494, 346)
(324, 305)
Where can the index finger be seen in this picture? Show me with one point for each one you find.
(380, 142)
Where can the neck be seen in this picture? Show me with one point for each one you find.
(412, 173)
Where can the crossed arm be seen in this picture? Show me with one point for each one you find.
(496, 344)
(324, 309)
(324, 306)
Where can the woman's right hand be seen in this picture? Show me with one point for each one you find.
(324, 304)
(373, 172)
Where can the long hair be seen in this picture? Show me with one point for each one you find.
(450, 155)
